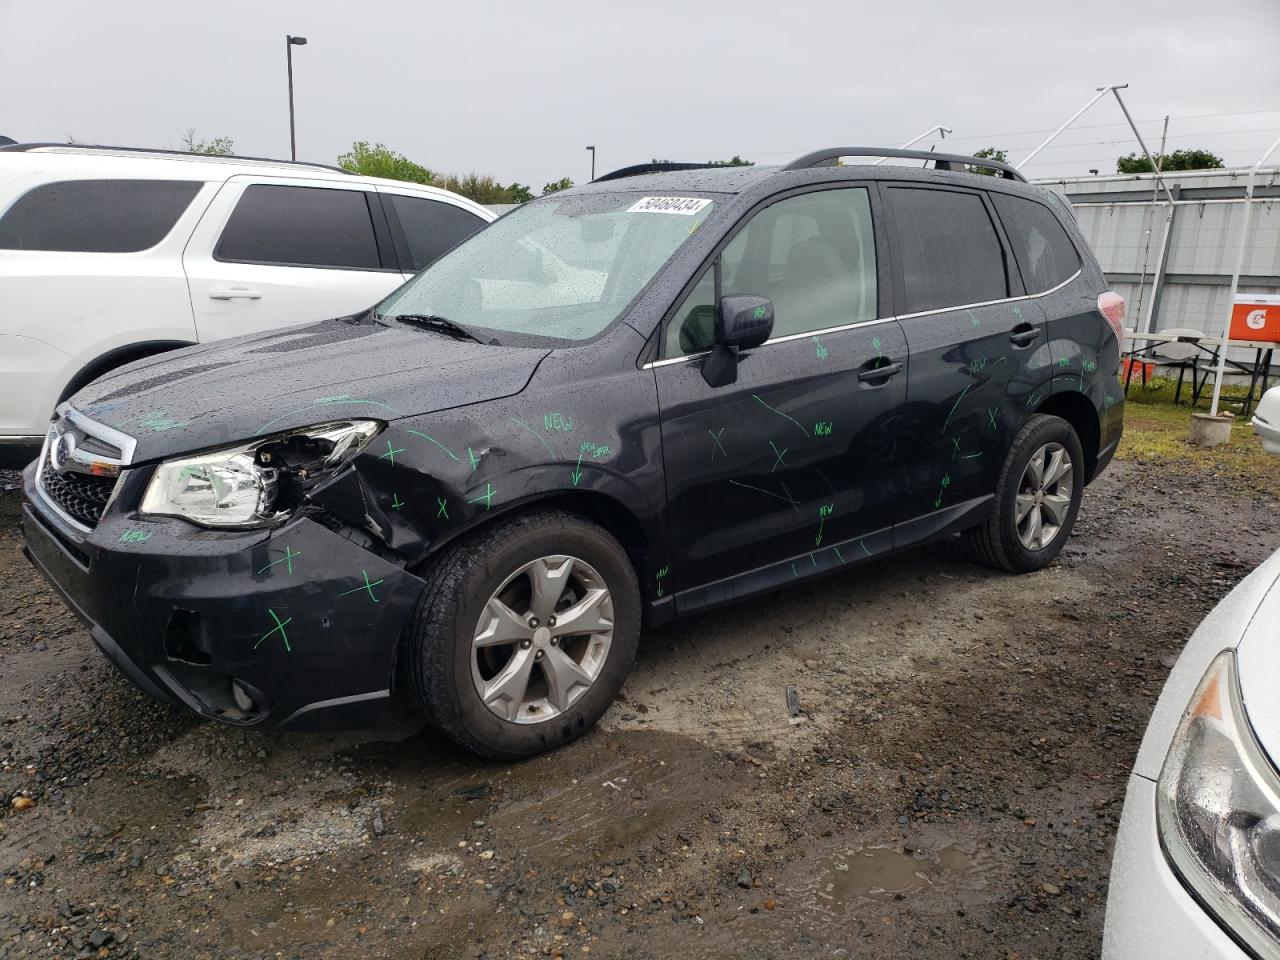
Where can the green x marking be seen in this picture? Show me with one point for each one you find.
(365, 586)
(391, 453)
(444, 508)
(289, 554)
(278, 628)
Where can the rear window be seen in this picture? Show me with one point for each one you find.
(948, 250)
(432, 228)
(1045, 254)
(300, 227)
(96, 216)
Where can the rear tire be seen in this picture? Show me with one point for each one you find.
(1035, 506)
(498, 679)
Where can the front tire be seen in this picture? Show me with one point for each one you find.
(1037, 498)
(524, 634)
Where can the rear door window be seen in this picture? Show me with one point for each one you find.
(1045, 254)
(300, 227)
(96, 216)
(949, 254)
(431, 228)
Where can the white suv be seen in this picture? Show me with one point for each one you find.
(108, 255)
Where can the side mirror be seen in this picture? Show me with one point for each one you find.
(742, 322)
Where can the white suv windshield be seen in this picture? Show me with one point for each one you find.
(562, 268)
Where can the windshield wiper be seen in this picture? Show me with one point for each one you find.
(432, 322)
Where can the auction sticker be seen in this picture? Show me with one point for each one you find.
(685, 206)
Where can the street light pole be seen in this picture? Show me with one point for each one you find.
(593, 162)
(289, 43)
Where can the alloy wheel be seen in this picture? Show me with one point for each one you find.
(1044, 496)
(542, 639)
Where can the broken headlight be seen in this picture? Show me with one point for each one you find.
(256, 484)
(1218, 811)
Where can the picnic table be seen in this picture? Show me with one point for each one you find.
(1259, 369)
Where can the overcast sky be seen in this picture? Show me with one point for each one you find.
(518, 89)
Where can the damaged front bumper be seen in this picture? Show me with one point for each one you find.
(294, 626)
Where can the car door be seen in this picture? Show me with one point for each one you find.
(979, 355)
(273, 252)
(423, 228)
(785, 472)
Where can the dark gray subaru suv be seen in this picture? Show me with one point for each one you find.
(620, 404)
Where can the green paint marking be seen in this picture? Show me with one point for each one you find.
(658, 578)
(999, 361)
(977, 365)
(946, 482)
(1087, 367)
(955, 447)
(135, 536)
(838, 553)
(780, 413)
(991, 416)
(793, 571)
(777, 457)
(820, 349)
(954, 405)
(557, 421)
(972, 456)
(716, 444)
(577, 471)
(396, 502)
(366, 586)
(595, 450)
(767, 493)
(391, 453)
(540, 438)
(875, 343)
(474, 461)
(1064, 362)
(758, 313)
(452, 455)
(865, 548)
(813, 559)
(159, 421)
(287, 559)
(278, 628)
(822, 428)
(443, 508)
(487, 496)
(973, 319)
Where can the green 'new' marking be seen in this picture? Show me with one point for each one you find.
(278, 628)
(452, 455)
(444, 508)
(135, 536)
(781, 414)
(289, 554)
(487, 496)
(577, 471)
(391, 453)
(367, 586)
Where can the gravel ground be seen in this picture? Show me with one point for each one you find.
(951, 788)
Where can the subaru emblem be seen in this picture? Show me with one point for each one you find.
(61, 451)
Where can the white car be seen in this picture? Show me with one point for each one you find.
(1196, 871)
(1266, 420)
(109, 254)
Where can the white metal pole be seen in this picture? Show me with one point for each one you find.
(938, 128)
(1147, 153)
(1102, 92)
(1235, 276)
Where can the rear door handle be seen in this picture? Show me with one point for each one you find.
(871, 374)
(234, 293)
(1024, 334)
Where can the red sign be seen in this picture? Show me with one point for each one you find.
(1256, 317)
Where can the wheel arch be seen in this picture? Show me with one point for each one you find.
(117, 357)
(1079, 411)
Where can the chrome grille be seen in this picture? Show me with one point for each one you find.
(80, 466)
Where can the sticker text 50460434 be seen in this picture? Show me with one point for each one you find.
(685, 206)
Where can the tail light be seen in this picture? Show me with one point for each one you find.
(1111, 306)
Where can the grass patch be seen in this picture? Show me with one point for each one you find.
(1155, 432)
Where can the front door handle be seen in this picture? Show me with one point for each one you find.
(234, 293)
(1024, 334)
(879, 369)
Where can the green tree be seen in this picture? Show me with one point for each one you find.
(379, 160)
(218, 146)
(555, 186)
(989, 153)
(1178, 160)
(519, 192)
(734, 161)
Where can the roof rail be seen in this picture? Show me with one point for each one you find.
(941, 161)
(187, 154)
(660, 166)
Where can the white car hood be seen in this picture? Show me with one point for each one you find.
(1258, 659)
(1248, 619)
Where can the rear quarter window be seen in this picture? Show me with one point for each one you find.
(949, 253)
(431, 228)
(96, 216)
(1045, 254)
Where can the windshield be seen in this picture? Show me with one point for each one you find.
(560, 268)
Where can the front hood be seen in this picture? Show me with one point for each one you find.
(234, 390)
(1258, 659)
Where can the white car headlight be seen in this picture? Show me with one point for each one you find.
(256, 484)
(1218, 810)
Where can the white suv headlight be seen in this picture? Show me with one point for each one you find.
(1218, 810)
(255, 484)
